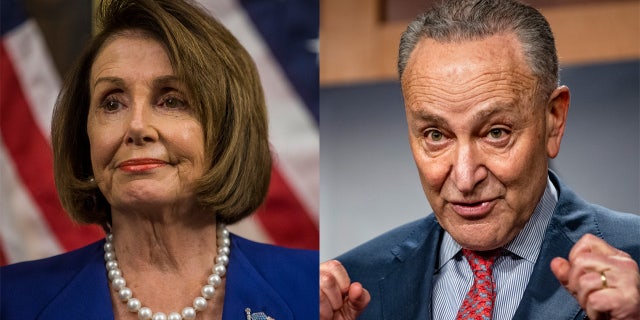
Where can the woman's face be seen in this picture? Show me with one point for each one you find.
(147, 147)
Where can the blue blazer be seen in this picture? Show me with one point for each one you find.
(282, 283)
(397, 267)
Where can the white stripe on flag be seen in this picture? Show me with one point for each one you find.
(25, 234)
(251, 229)
(39, 80)
(292, 130)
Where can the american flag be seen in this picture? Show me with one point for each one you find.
(282, 38)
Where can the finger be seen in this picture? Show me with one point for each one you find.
(592, 244)
(600, 262)
(589, 283)
(601, 303)
(359, 297)
(620, 301)
(581, 265)
(586, 270)
(356, 301)
(334, 284)
(568, 275)
(337, 270)
(330, 291)
(620, 297)
(326, 309)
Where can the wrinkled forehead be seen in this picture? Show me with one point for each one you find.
(497, 52)
(459, 70)
(134, 33)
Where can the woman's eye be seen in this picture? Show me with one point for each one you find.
(174, 103)
(111, 104)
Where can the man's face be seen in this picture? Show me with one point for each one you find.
(479, 137)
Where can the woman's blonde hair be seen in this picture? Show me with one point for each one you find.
(225, 92)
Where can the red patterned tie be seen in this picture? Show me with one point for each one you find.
(478, 303)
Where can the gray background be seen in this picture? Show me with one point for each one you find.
(369, 183)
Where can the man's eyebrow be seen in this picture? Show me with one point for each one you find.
(432, 118)
(493, 110)
(423, 116)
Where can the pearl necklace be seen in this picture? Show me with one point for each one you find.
(199, 303)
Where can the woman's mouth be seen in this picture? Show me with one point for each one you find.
(140, 164)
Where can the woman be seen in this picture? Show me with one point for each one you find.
(160, 137)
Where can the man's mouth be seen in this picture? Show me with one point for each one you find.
(473, 210)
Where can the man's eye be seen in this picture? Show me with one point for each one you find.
(496, 133)
(499, 133)
(434, 135)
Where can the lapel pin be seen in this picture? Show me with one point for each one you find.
(257, 315)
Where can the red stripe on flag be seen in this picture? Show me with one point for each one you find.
(3, 258)
(30, 151)
(285, 219)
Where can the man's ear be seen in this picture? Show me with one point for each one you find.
(556, 113)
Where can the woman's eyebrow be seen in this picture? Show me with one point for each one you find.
(113, 80)
(168, 80)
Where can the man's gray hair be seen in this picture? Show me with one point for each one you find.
(466, 20)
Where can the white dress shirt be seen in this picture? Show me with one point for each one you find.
(511, 272)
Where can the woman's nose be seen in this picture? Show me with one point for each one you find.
(139, 128)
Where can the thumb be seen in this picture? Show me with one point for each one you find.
(358, 299)
(560, 268)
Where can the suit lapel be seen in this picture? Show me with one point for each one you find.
(246, 288)
(406, 291)
(544, 297)
(86, 296)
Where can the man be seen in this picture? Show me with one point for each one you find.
(484, 113)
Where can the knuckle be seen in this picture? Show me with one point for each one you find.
(327, 279)
(594, 302)
(627, 264)
(332, 265)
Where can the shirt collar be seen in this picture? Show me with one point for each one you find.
(526, 244)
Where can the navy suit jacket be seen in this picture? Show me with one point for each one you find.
(397, 268)
(282, 283)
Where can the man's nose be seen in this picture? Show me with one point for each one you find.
(468, 168)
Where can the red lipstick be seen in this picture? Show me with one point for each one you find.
(140, 165)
